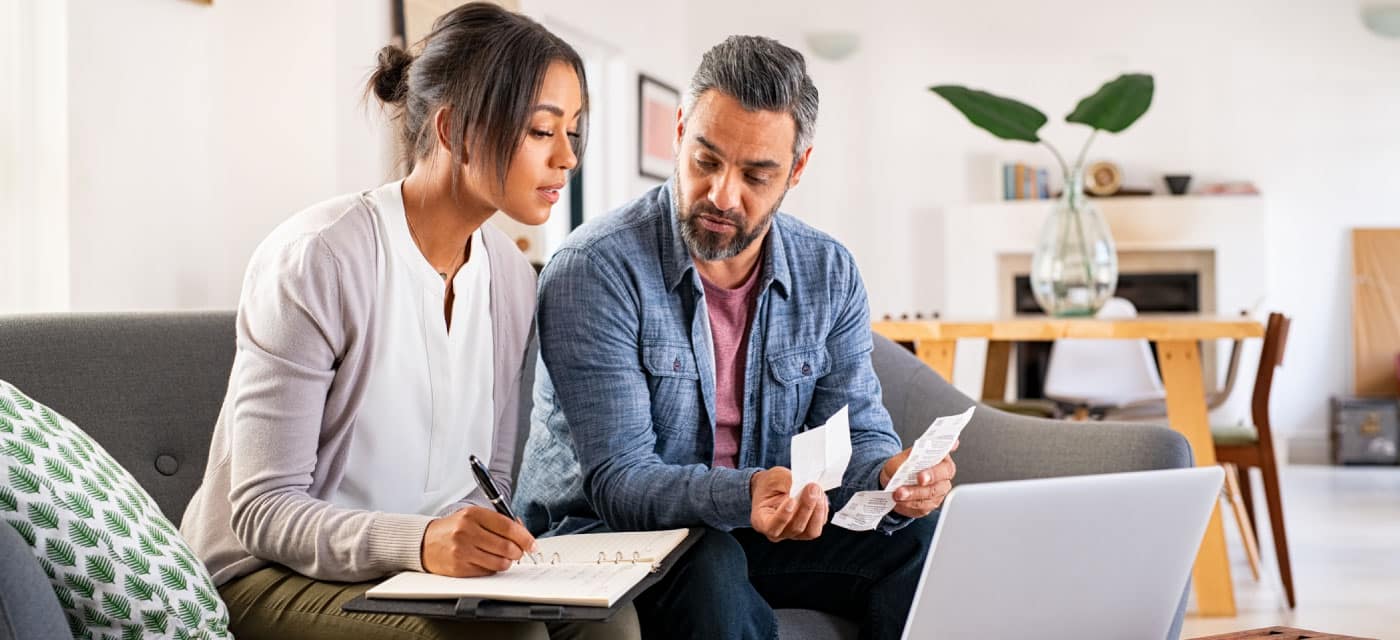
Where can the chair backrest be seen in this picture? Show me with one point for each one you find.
(1270, 358)
(1104, 372)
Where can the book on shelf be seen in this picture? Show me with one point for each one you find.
(1021, 181)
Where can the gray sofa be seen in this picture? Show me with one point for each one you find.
(149, 387)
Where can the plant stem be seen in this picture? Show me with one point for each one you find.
(1058, 157)
(1085, 250)
(1085, 151)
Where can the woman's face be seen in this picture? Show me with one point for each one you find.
(541, 164)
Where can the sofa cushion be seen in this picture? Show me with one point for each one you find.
(115, 563)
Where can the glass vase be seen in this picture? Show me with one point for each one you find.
(1074, 269)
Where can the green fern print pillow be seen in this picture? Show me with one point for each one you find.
(117, 566)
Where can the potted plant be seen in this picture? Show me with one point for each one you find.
(1074, 269)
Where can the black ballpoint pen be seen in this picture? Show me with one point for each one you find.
(488, 486)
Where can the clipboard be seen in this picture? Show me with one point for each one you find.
(508, 611)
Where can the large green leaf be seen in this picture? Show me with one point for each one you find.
(1117, 104)
(1004, 118)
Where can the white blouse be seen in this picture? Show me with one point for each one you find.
(428, 403)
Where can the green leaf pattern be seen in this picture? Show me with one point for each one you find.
(80, 585)
(101, 569)
(157, 621)
(116, 565)
(35, 437)
(81, 506)
(8, 408)
(19, 451)
(25, 530)
(60, 552)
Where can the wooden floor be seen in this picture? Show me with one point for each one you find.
(1344, 531)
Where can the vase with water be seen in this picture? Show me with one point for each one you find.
(1074, 269)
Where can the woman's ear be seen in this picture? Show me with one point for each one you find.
(442, 126)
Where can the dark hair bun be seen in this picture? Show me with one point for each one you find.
(390, 80)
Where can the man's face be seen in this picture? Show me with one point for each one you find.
(733, 167)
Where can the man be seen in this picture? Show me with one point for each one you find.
(685, 339)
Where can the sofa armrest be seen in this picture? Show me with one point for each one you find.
(28, 607)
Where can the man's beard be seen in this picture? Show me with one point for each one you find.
(709, 245)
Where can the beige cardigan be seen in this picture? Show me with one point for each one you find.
(304, 345)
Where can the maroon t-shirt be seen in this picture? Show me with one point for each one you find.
(731, 311)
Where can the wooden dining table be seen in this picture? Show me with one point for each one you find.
(1179, 357)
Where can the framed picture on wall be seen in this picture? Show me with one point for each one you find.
(656, 127)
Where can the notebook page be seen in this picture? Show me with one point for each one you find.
(579, 585)
(642, 547)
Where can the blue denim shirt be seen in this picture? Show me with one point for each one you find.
(623, 424)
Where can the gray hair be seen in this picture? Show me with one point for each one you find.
(763, 75)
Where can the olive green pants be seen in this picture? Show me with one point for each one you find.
(276, 602)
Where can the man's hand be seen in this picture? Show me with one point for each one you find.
(778, 516)
(930, 486)
(473, 542)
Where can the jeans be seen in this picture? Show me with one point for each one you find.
(729, 583)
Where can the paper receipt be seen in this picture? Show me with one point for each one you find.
(865, 509)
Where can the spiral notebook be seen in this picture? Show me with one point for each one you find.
(589, 569)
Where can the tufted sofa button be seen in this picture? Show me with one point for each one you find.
(167, 465)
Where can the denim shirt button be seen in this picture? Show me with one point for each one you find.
(806, 369)
(676, 366)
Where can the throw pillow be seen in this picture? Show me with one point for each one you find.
(117, 566)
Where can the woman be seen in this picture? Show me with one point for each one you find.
(381, 339)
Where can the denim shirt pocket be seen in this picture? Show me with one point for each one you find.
(674, 382)
(794, 374)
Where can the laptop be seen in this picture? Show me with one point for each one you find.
(1099, 556)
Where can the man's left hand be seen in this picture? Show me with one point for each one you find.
(930, 486)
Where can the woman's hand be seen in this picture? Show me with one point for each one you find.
(473, 542)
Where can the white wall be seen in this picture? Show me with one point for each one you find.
(1296, 97)
(632, 36)
(196, 128)
(33, 158)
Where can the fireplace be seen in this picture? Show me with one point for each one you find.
(1156, 282)
(1151, 293)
